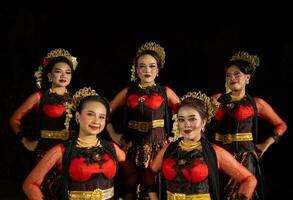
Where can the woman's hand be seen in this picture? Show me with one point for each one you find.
(30, 145)
(261, 148)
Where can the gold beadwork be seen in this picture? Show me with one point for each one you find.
(64, 53)
(152, 46)
(82, 93)
(189, 146)
(208, 102)
(253, 60)
(90, 143)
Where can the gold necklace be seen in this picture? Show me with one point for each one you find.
(236, 98)
(144, 86)
(88, 143)
(189, 146)
(52, 91)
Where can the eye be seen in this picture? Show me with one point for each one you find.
(192, 119)
(180, 120)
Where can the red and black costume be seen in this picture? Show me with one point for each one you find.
(48, 127)
(194, 174)
(147, 122)
(87, 172)
(235, 128)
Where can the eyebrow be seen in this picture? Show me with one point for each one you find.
(187, 116)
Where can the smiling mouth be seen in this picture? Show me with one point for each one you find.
(187, 131)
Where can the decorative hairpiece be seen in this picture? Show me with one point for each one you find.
(208, 102)
(53, 54)
(252, 60)
(82, 93)
(149, 46)
(152, 46)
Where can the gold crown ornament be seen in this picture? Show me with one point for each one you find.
(252, 60)
(149, 46)
(53, 54)
(82, 93)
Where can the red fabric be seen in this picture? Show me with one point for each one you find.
(154, 101)
(81, 171)
(168, 169)
(54, 111)
(196, 174)
(242, 112)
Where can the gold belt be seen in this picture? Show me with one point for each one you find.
(229, 138)
(48, 134)
(145, 126)
(181, 196)
(97, 194)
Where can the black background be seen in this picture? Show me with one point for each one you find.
(198, 39)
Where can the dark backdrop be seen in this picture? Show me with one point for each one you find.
(197, 39)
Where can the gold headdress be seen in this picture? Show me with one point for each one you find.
(253, 60)
(207, 101)
(53, 54)
(82, 93)
(149, 46)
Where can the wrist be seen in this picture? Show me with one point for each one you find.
(276, 137)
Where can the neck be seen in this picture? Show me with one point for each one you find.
(143, 85)
(58, 90)
(189, 145)
(237, 95)
(89, 141)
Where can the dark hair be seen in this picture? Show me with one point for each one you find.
(197, 104)
(243, 65)
(100, 99)
(152, 53)
(58, 59)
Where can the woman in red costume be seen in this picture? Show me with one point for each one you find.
(148, 106)
(190, 164)
(51, 109)
(88, 164)
(235, 127)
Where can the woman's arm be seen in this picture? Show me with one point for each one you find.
(266, 112)
(173, 99)
(229, 165)
(31, 185)
(30, 104)
(118, 101)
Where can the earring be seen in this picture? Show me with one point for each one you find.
(157, 74)
(50, 79)
(247, 81)
(202, 129)
(77, 120)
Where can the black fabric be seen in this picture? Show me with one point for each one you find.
(259, 191)
(134, 90)
(211, 160)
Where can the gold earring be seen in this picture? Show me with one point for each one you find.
(247, 81)
(50, 79)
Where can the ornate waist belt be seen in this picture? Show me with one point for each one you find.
(48, 134)
(182, 196)
(97, 194)
(237, 137)
(145, 126)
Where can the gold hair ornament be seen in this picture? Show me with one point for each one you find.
(209, 103)
(53, 54)
(149, 46)
(82, 93)
(252, 60)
